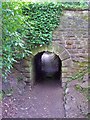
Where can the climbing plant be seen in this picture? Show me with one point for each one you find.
(13, 46)
(25, 26)
(41, 21)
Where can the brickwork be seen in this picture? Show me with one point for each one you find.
(70, 43)
(72, 33)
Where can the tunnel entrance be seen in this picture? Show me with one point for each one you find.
(47, 68)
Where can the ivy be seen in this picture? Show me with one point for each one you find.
(41, 21)
(13, 47)
(26, 25)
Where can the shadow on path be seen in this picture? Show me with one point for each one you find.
(43, 101)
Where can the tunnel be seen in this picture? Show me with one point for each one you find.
(47, 68)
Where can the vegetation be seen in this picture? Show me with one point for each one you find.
(75, 5)
(26, 26)
(85, 91)
(42, 20)
(12, 44)
(79, 76)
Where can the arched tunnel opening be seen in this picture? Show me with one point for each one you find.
(47, 68)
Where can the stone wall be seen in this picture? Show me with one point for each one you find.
(72, 33)
(70, 43)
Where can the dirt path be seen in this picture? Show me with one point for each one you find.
(43, 101)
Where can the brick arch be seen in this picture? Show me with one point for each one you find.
(58, 50)
(53, 47)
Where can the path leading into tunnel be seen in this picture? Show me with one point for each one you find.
(43, 101)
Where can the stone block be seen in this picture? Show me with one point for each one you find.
(73, 52)
(59, 41)
(68, 46)
(27, 69)
(77, 42)
(64, 55)
(74, 46)
(67, 63)
(69, 42)
(64, 80)
(66, 75)
(64, 69)
(57, 47)
(27, 75)
(72, 38)
(79, 47)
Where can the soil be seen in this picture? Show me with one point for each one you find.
(42, 101)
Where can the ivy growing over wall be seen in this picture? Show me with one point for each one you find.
(41, 21)
(12, 45)
(25, 26)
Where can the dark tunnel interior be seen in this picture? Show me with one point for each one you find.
(47, 68)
